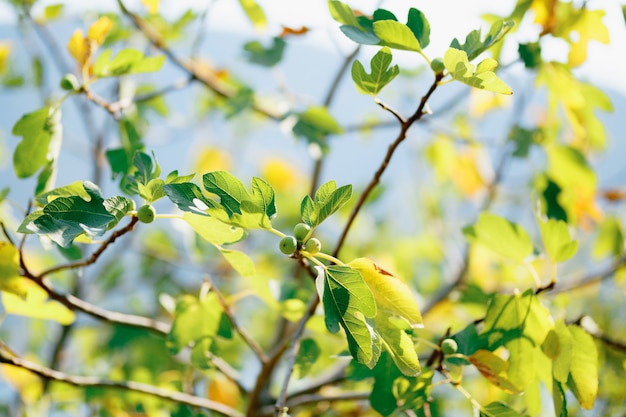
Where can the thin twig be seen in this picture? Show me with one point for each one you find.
(209, 80)
(94, 256)
(591, 279)
(95, 382)
(404, 127)
(293, 352)
(252, 344)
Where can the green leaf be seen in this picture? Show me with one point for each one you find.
(583, 378)
(382, 397)
(501, 236)
(127, 61)
(530, 53)
(397, 312)
(66, 218)
(380, 76)
(188, 197)
(396, 35)
(498, 409)
(610, 239)
(144, 178)
(237, 206)
(229, 189)
(213, 230)
(557, 240)
(194, 320)
(420, 27)
(328, 199)
(53, 11)
(522, 370)
(359, 36)
(482, 77)
(255, 13)
(559, 399)
(174, 178)
(308, 353)
(347, 302)
(474, 46)
(267, 57)
(315, 124)
(342, 13)
(512, 316)
(562, 363)
(74, 189)
(119, 207)
(31, 153)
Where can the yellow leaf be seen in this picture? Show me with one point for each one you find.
(5, 51)
(283, 176)
(223, 390)
(10, 279)
(255, 13)
(36, 305)
(212, 159)
(588, 26)
(99, 30)
(151, 5)
(78, 47)
(26, 383)
(391, 294)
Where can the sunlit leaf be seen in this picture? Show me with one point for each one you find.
(213, 230)
(127, 61)
(53, 11)
(35, 304)
(493, 368)
(501, 236)
(498, 409)
(381, 73)
(483, 77)
(583, 379)
(557, 240)
(474, 45)
(78, 47)
(195, 319)
(342, 13)
(31, 153)
(315, 124)
(99, 30)
(610, 239)
(328, 199)
(255, 13)
(10, 280)
(396, 35)
(151, 5)
(347, 302)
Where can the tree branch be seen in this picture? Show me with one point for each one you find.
(210, 81)
(94, 256)
(404, 127)
(91, 382)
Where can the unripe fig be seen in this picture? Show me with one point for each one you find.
(288, 245)
(69, 82)
(301, 232)
(437, 65)
(449, 346)
(146, 213)
(313, 246)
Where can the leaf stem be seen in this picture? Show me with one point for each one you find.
(329, 258)
(276, 232)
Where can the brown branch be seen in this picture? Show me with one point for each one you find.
(252, 344)
(92, 382)
(317, 398)
(591, 279)
(404, 127)
(94, 256)
(211, 81)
